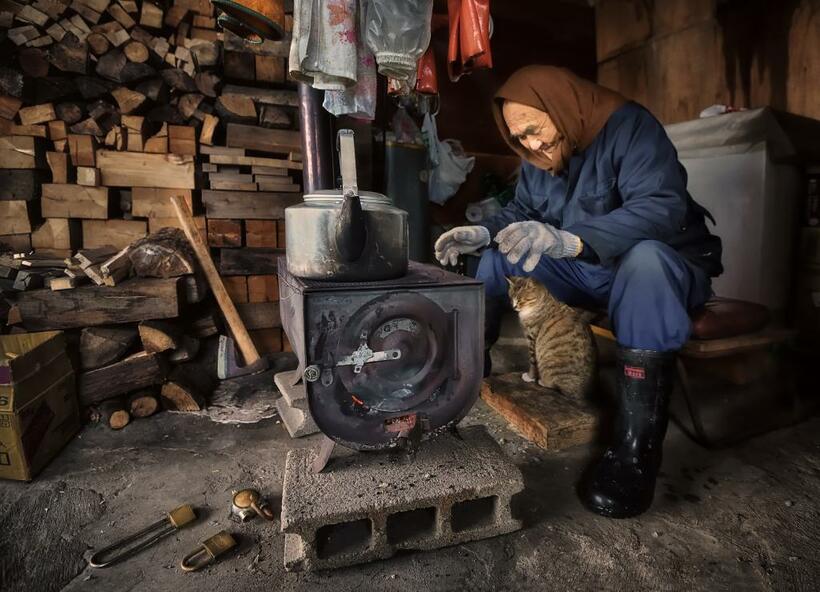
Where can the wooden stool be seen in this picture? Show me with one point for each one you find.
(731, 339)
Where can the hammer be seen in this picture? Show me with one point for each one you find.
(226, 365)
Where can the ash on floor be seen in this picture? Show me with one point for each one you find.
(741, 519)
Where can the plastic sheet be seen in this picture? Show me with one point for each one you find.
(398, 33)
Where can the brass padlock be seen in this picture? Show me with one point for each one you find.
(208, 551)
(247, 503)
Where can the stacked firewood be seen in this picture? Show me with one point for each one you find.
(108, 108)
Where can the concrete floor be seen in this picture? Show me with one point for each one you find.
(746, 518)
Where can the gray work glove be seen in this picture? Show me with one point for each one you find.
(534, 239)
(460, 241)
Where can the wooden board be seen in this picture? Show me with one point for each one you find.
(19, 243)
(74, 201)
(14, 217)
(249, 261)
(543, 416)
(261, 205)
(21, 152)
(261, 233)
(224, 233)
(131, 169)
(237, 288)
(265, 96)
(260, 315)
(256, 161)
(83, 149)
(56, 233)
(132, 300)
(134, 372)
(263, 139)
(182, 140)
(155, 224)
(116, 233)
(263, 288)
(152, 202)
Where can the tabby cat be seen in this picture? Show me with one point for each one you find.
(562, 350)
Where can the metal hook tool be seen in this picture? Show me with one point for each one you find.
(174, 520)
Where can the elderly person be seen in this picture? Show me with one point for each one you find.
(602, 218)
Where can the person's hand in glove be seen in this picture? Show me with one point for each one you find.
(530, 240)
(460, 241)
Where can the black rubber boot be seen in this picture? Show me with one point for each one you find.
(494, 308)
(622, 484)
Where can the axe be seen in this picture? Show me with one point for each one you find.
(226, 365)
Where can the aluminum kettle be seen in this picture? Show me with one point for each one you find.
(346, 235)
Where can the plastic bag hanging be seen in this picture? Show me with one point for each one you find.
(323, 48)
(358, 100)
(398, 33)
(449, 165)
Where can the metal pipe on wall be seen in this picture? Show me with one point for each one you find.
(317, 140)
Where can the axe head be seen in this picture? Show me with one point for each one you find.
(226, 366)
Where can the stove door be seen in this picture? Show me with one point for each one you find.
(392, 362)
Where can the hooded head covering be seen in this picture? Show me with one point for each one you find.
(578, 108)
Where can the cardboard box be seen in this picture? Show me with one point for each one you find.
(38, 402)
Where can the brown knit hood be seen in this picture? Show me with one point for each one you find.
(578, 108)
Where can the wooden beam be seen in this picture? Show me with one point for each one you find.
(74, 201)
(14, 217)
(224, 233)
(256, 161)
(263, 288)
(249, 261)
(128, 169)
(21, 152)
(260, 315)
(263, 139)
(258, 205)
(131, 301)
(265, 96)
(21, 184)
(152, 202)
(260, 233)
(137, 371)
(100, 346)
(116, 233)
(57, 234)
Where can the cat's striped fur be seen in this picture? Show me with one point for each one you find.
(562, 349)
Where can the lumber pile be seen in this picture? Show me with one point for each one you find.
(108, 108)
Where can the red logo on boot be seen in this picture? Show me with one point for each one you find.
(634, 372)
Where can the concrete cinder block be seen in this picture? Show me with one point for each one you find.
(295, 395)
(369, 506)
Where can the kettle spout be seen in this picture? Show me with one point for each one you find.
(351, 229)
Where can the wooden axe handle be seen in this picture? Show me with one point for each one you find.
(226, 305)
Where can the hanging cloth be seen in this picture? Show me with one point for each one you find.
(470, 29)
(398, 32)
(323, 48)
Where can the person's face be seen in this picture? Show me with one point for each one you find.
(532, 128)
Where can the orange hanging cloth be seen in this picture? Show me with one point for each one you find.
(469, 46)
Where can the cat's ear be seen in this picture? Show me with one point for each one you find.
(509, 280)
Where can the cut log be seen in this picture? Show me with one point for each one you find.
(88, 127)
(57, 234)
(179, 80)
(126, 169)
(9, 106)
(83, 150)
(74, 201)
(224, 233)
(208, 84)
(70, 113)
(159, 336)
(22, 35)
(262, 139)
(164, 254)
(182, 140)
(151, 15)
(100, 346)
(155, 89)
(137, 371)
(142, 403)
(69, 55)
(274, 117)
(263, 288)
(113, 412)
(236, 108)
(115, 138)
(133, 300)
(260, 315)
(58, 162)
(206, 135)
(136, 52)
(205, 54)
(111, 64)
(260, 205)
(205, 326)
(37, 114)
(239, 65)
(189, 103)
(128, 100)
(190, 384)
(88, 176)
(165, 113)
(248, 261)
(116, 233)
(57, 130)
(21, 152)
(98, 43)
(117, 268)
(33, 62)
(121, 16)
(149, 202)
(92, 87)
(261, 233)
(15, 217)
(237, 288)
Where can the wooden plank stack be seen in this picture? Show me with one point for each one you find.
(110, 107)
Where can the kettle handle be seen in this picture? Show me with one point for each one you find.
(351, 225)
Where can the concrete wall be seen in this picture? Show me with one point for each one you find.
(679, 56)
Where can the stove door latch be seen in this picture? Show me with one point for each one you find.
(364, 355)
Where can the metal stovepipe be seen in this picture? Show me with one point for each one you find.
(317, 140)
